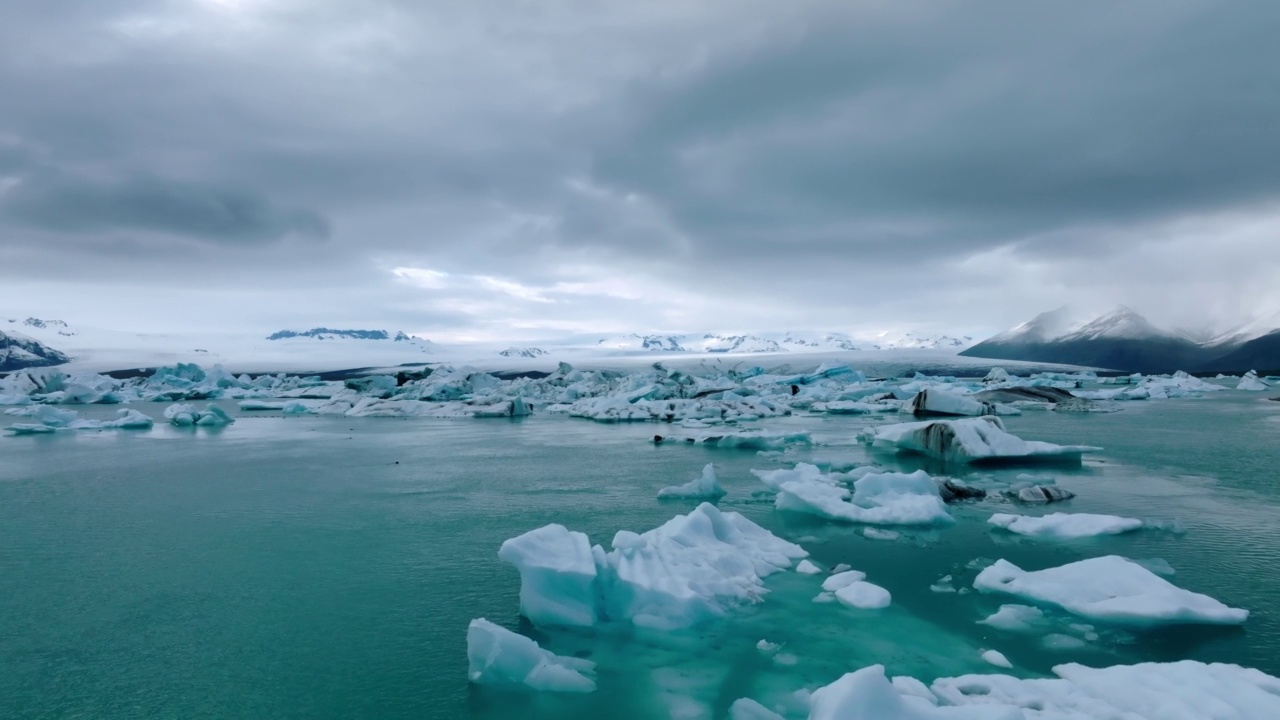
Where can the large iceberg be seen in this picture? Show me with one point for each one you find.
(497, 656)
(557, 575)
(935, 403)
(970, 440)
(692, 568)
(1065, 526)
(1185, 690)
(1110, 588)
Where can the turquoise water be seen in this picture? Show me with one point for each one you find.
(328, 567)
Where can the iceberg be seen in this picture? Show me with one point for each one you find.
(1040, 494)
(1065, 526)
(557, 576)
(935, 403)
(187, 415)
(877, 499)
(705, 486)
(1185, 690)
(971, 440)
(497, 656)
(1110, 588)
(692, 568)
(997, 658)
(1252, 383)
(863, 595)
(1015, 618)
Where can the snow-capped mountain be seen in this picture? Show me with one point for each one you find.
(648, 343)
(1121, 323)
(1122, 340)
(322, 333)
(1252, 330)
(523, 352)
(711, 343)
(805, 342)
(18, 351)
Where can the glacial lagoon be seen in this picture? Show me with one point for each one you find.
(328, 567)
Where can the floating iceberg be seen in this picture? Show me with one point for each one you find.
(557, 576)
(186, 415)
(864, 595)
(877, 499)
(1016, 618)
(935, 403)
(692, 568)
(1040, 494)
(745, 440)
(997, 658)
(1252, 383)
(52, 419)
(1109, 588)
(971, 440)
(705, 486)
(1065, 526)
(497, 656)
(1185, 690)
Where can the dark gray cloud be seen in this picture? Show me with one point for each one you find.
(726, 164)
(198, 211)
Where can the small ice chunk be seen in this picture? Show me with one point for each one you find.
(864, 595)
(1016, 618)
(1065, 526)
(497, 656)
(842, 579)
(842, 567)
(768, 647)
(997, 658)
(748, 709)
(705, 486)
(878, 534)
(785, 659)
(1040, 494)
(943, 585)
(806, 567)
(1109, 588)
(1059, 641)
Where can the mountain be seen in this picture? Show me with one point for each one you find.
(815, 343)
(710, 343)
(1259, 353)
(523, 352)
(650, 343)
(322, 333)
(18, 352)
(1119, 340)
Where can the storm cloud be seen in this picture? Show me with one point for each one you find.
(521, 169)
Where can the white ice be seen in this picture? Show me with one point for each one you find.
(692, 568)
(997, 658)
(1109, 588)
(1065, 526)
(704, 486)
(497, 656)
(877, 498)
(969, 440)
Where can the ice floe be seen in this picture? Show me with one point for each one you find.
(877, 498)
(185, 415)
(1065, 526)
(497, 656)
(970, 440)
(1185, 690)
(1109, 588)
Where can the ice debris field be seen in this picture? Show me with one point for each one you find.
(709, 563)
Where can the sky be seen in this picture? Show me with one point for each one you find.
(525, 169)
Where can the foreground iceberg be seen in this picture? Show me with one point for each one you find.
(1065, 526)
(692, 568)
(971, 440)
(935, 403)
(1110, 588)
(1185, 690)
(705, 486)
(497, 656)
